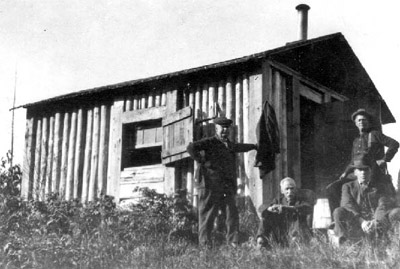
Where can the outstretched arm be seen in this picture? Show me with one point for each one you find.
(243, 147)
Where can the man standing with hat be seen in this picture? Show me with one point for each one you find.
(365, 207)
(216, 178)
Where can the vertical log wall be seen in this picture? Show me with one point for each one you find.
(65, 153)
(78, 152)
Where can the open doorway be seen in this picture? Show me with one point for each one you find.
(308, 109)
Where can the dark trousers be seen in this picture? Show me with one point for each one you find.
(347, 226)
(381, 175)
(210, 202)
(334, 192)
(282, 228)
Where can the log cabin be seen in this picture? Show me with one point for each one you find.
(115, 138)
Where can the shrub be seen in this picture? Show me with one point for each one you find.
(10, 177)
(173, 216)
(58, 233)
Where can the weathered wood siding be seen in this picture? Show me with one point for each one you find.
(62, 152)
(83, 146)
(78, 151)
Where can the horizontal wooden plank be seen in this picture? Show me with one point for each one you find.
(148, 145)
(311, 94)
(176, 116)
(153, 166)
(175, 158)
(130, 180)
(142, 174)
(152, 113)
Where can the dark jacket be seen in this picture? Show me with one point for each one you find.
(372, 143)
(267, 132)
(378, 200)
(375, 146)
(217, 169)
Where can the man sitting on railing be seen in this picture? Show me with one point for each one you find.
(367, 206)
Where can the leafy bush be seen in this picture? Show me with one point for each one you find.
(10, 177)
(156, 232)
(58, 233)
(168, 215)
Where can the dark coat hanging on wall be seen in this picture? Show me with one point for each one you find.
(267, 132)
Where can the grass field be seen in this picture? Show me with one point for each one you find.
(92, 237)
(158, 232)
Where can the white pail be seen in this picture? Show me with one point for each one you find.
(322, 214)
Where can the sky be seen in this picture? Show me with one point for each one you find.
(54, 47)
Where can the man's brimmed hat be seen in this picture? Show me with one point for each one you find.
(361, 162)
(361, 111)
(223, 121)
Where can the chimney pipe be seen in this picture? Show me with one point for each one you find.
(303, 21)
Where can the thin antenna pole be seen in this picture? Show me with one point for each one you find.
(12, 118)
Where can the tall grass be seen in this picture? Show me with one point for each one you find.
(158, 232)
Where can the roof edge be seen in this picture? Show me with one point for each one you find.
(128, 83)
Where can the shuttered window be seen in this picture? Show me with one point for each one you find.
(142, 143)
(177, 134)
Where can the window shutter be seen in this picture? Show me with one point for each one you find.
(177, 134)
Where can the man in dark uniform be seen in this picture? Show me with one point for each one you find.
(366, 207)
(286, 219)
(216, 178)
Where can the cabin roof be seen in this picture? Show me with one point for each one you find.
(328, 60)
